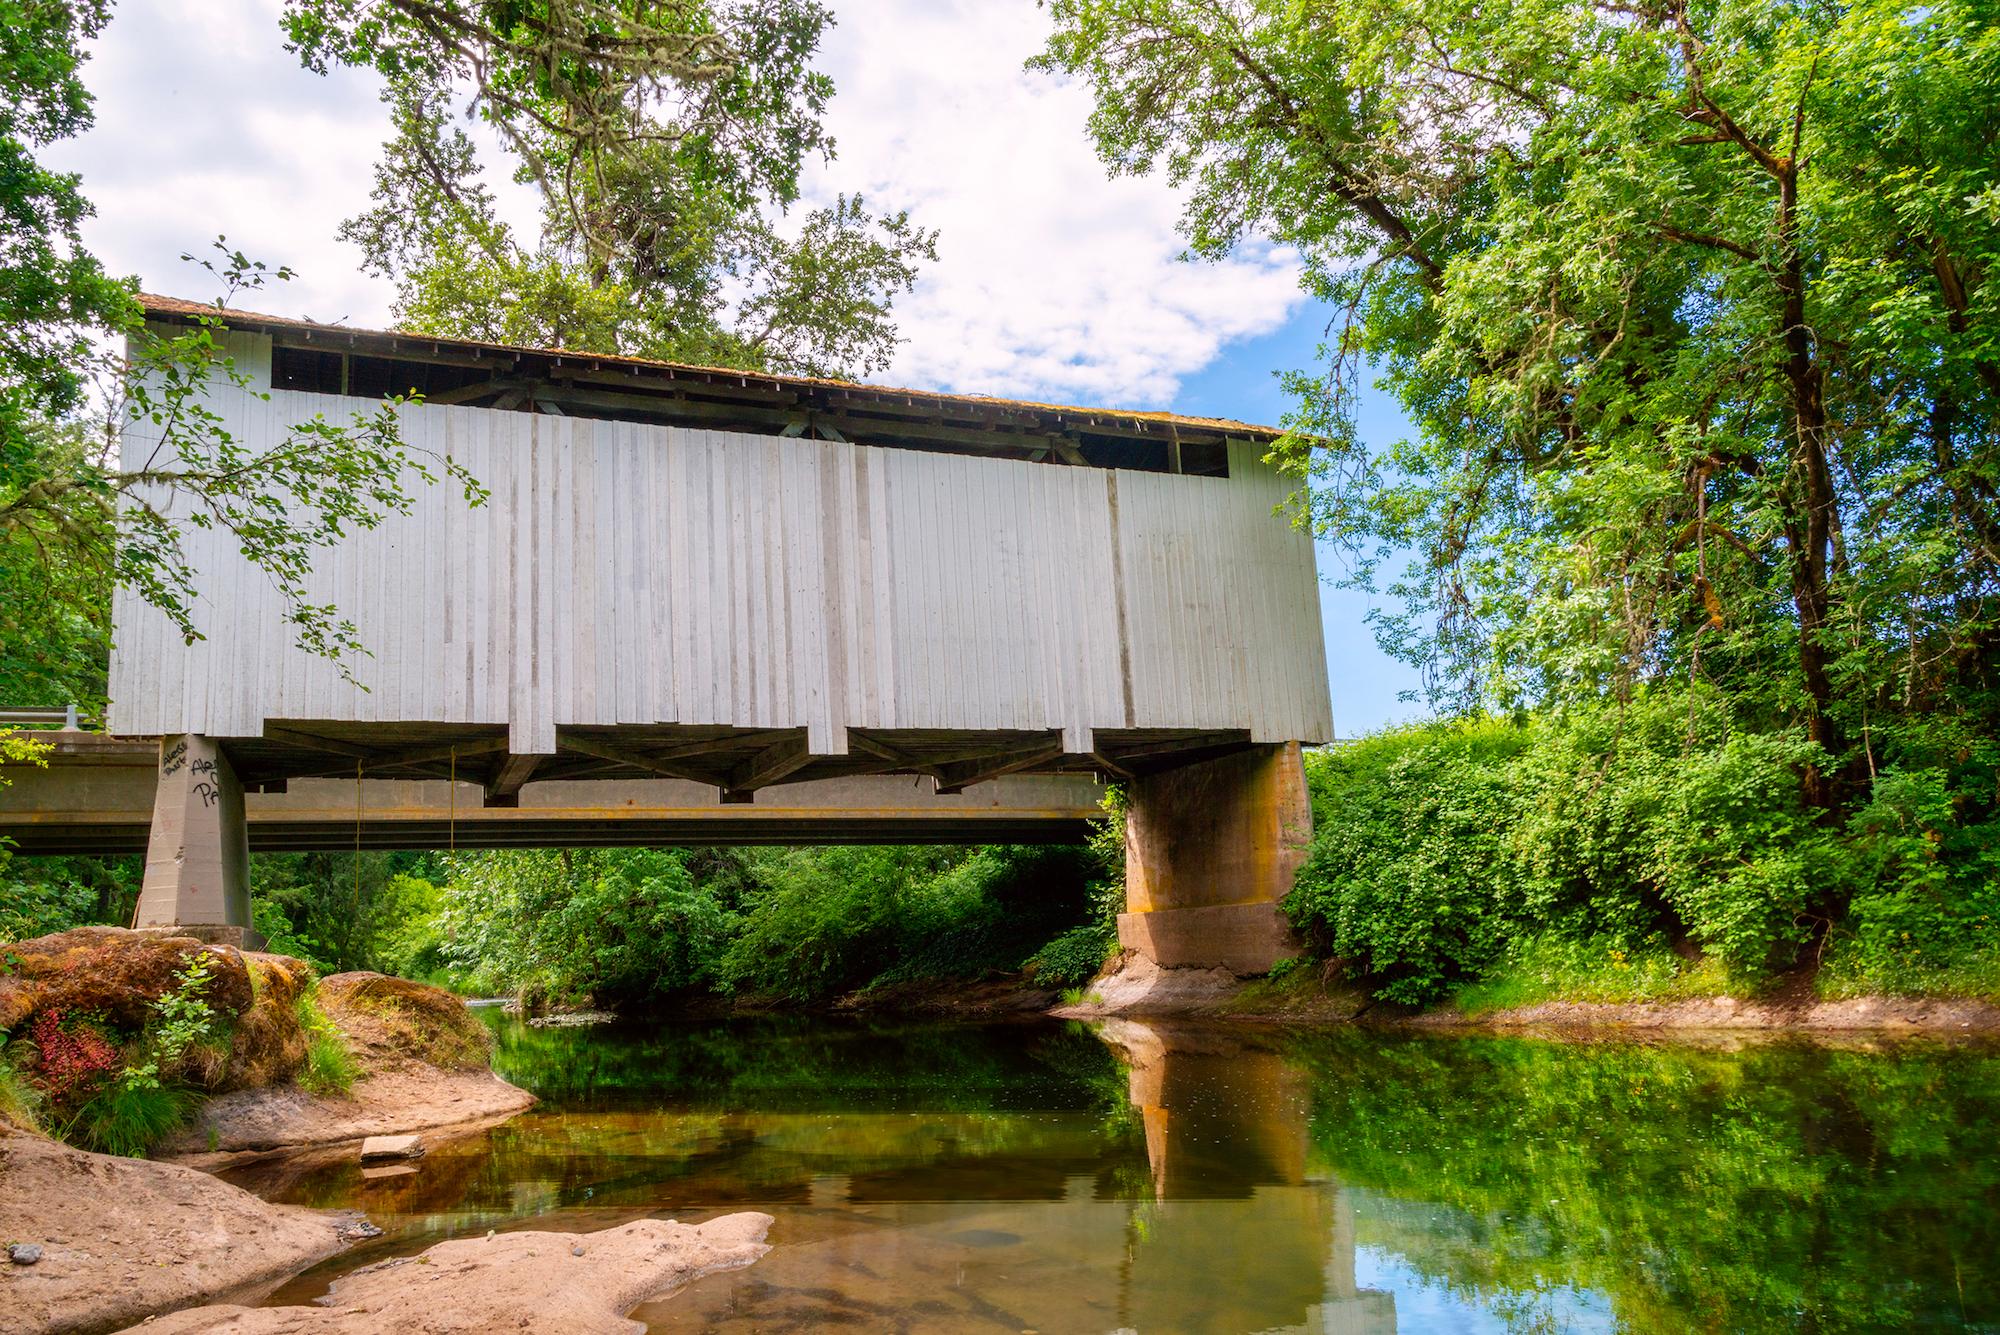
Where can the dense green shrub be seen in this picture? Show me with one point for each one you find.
(40, 895)
(628, 927)
(619, 925)
(824, 921)
(1456, 851)
(1925, 918)
(1072, 958)
(1410, 874)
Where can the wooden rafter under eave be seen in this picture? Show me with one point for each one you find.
(767, 767)
(505, 788)
(960, 775)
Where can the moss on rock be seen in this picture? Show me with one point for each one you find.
(113, 972)
(268, 1046)
(392, 1017)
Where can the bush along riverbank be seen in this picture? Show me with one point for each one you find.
(986, 928)
(1651, 861)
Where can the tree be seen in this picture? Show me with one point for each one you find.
(72, 515)
(75, 516)
(51, 288)
(664, 141)
(1689, 303)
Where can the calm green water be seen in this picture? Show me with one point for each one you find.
(1056, 1178)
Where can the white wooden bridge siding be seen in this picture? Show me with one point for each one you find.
(623, 573)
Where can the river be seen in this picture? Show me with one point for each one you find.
(1055, 1178)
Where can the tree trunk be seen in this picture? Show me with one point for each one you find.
(1808, 496)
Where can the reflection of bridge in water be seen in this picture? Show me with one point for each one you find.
(1235, 1198)
(1213, 1218)
(1234, 1233)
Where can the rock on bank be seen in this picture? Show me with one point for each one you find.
(122, 1239)
(551, 1283)
(421, 1059)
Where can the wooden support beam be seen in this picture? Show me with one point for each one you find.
(478, 746)
(1143, 752)
(769, 766)
(1110, 766)
(957, 777)
(312, 742)
(472, 393)
(1068, 450)
(434, 761)
(504, 789)
(861, 741)
(591, 746)
(734, 741)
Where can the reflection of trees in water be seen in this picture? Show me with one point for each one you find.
(1773, 1187)
(1205, 1180)
(782, 1063)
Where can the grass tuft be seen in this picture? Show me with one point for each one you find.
(130, 1119)
(20, 1101)
(1597, 970)
(329, 1067)
(1964, 969)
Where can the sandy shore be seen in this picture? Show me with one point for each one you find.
(122, 1239)
(550, 1283)
(1139, 989)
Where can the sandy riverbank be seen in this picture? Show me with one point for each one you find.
(1135, 988)
(123, 1239)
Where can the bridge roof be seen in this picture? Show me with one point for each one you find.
(931, 419)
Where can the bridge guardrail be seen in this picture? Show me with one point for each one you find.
(67, 719)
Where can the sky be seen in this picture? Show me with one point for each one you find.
(1053, 281)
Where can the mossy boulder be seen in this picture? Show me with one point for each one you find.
(268, 1044)
(115, 973)
(118, 975)
(395, 1018)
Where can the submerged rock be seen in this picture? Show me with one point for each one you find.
(572, 1019)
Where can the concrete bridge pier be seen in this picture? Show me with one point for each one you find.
(198, 856)
(1211, 849)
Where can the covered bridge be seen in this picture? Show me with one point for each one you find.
(736, 581)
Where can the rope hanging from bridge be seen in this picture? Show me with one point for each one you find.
(451, 810)
(357, 841)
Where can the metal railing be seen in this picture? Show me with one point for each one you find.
(69, 718)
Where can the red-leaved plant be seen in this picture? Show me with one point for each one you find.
(69, 1061)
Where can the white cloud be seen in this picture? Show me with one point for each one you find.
(1053, 281)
